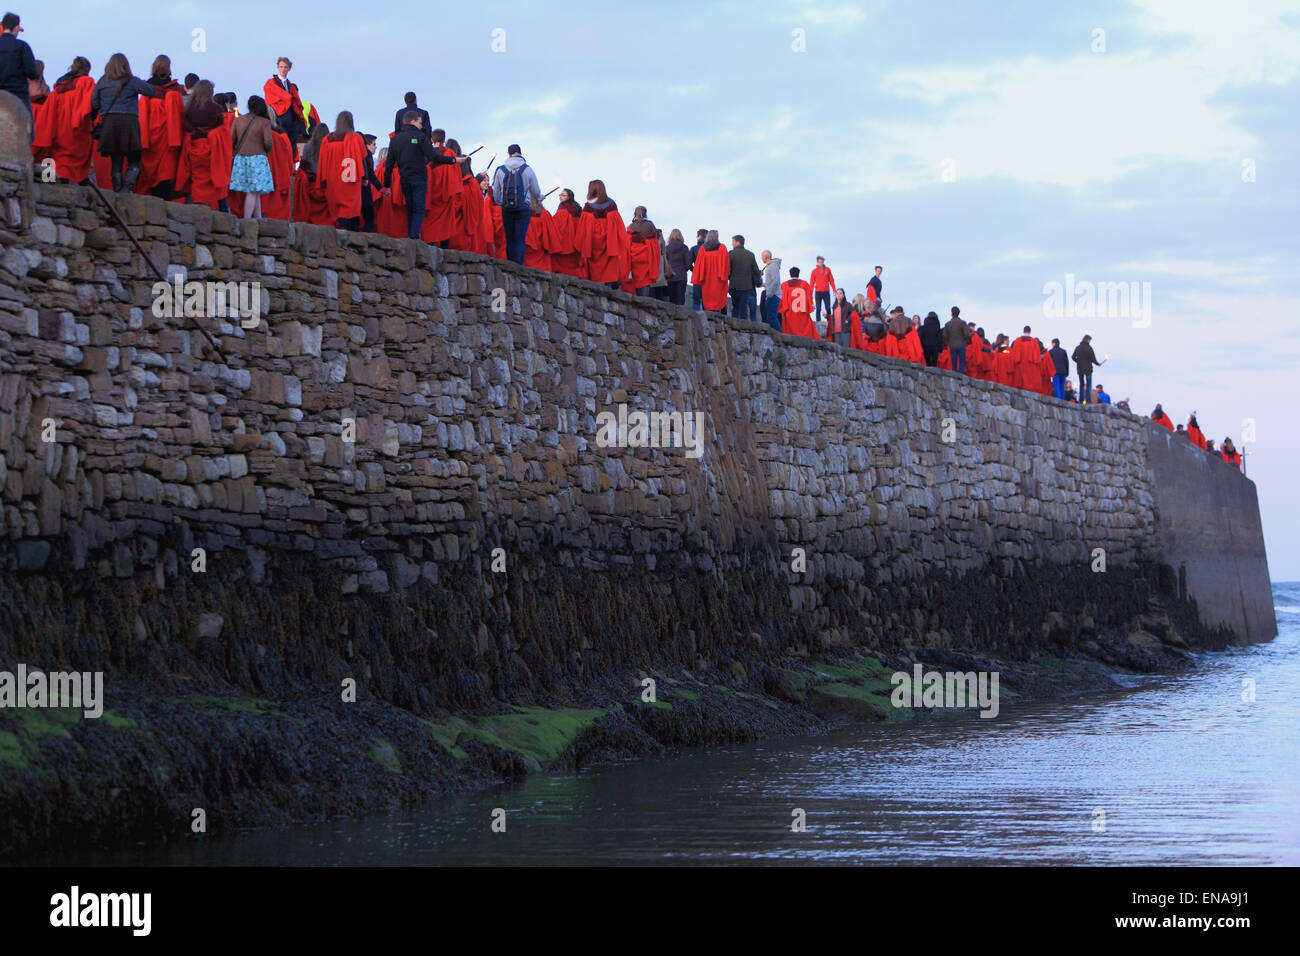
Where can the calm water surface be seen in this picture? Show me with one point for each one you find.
(1185, 770)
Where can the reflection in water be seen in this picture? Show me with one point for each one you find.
(1184, 771)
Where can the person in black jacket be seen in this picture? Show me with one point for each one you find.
(931, 336)
(1085, 359)
(411, 153)
(678, 257)
(17, 64)
(697, 301)
(400, 119)
(369, 181)
(1061, 362)
(745, 279)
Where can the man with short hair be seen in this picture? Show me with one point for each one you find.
(822, 281)
(797, 306)
(1085, 359)
(744, 279)
(697, 302)
(400, 119)
(1101, 397)
(283, 99)
(191, 81)
(874, 286)
(17, 65)
(410, 153)
(515, 190)
(1061, 365)
(771, 305)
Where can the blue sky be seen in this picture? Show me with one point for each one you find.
(977, 151)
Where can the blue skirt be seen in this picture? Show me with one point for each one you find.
(251, 174)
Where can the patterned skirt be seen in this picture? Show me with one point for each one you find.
(251, 174)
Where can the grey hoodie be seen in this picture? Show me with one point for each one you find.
(530, 179)
(772, 277)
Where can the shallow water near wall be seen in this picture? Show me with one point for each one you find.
(1176, 770)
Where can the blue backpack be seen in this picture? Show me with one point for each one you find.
(514, 193)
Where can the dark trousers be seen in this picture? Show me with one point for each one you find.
(367, 209)
(414, 194)
(744, 304)
(515, 222)
(1085, 388)
(1058, 385)
(697, 300)
(677, 291)
(958, 356)
(823, 298)
(293, 124)
(351, 223)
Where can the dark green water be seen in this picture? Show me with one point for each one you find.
(1185, 770)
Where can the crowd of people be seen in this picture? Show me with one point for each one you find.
(182, 141)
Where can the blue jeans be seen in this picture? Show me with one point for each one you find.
(958, 356)
(1058, 386)
(1085, 388)
(744, 304)
(772, 311)
(515, 222)
(697, 302)
(414, 194)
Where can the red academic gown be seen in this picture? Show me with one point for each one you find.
(341, 174)
(390, 210)
(857, 338)
(1046, 370)
(712, 274)
(602, 243)
(537, 245)
(279, 100)
(796, 308)
(1164, 420)
(43, 129)
(492, 213)
(161, 134)
(1234, 459)
(643, 259)
(566, 258)
(71, 143)
(1004, 368)
(1197, 436)
(880, 346)
(275, 204)
(471, 236)
(976, 360)
(908, 347)
(442, 201)
(309, 202)
(944, 360)
(1024, 359)
(204, 170)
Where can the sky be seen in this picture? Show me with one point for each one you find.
(987, 155)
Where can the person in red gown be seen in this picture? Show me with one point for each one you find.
(1003, 366)
(309, 202)
(275, 204)
(71, 145)
(642, 252)
(566, 258)
(443, 197)
(1046, 370)
(282, 97)
(902, 340)
(340, 172)
(494, 224)
(1194, 432)
(1160, 418)
(161, 133)
(1024, 361)
(712, 273)
(206, 157)
(1228, 451)
(977, 360)
(603, 237)
(539, 241)
(38, 94)
(796, 306)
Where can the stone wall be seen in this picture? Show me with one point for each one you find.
(475, 430)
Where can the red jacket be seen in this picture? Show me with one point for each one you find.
(823, 280)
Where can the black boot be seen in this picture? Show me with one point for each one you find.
(116, 176)
(132, 174)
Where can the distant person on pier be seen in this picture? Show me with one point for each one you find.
(515, 189)
(697, 301)
(409, 153)
(902, 340)
(1230, 454)
(643, 251)
(1209, 447)
(931, 334)
(1024, 358)
(340, 171)
(840, 322)
(72, 147)
(1160, 418)
(1194, 432)
(1061, 368)
(253, 142)
(1069, 393)
(745, 278)
(770, 307)
(822, 281)
(1085, 360)
(116, 99)
(797, 307)
(712, 273)
(565, 257)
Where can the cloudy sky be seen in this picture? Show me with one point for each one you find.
(979, 152)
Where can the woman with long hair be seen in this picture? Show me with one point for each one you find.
(252, 143)
(1229, 453)
(642, 252)
(71, 144)
(116, 99)
(604, 238)
(340, 172)
(161, 133)
(309, 203)
(38, 94)
(678, 258)
(566, 256)
(206, 157)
